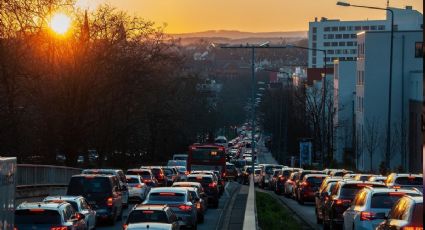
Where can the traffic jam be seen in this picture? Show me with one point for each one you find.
(175, 196)
(179, 194)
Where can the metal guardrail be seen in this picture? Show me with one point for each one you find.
(34, 175)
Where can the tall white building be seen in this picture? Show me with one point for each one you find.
(372, 82)
(338, 38)
(343, 102)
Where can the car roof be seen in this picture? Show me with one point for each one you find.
(150, 207)
(187, 183)
(132, 176)
(316, 175)
(199, 174)
(64, 198)
(350, 181)
(42, 205)
(95, 175)
(168, 189)
(417, 199)
(379, 190)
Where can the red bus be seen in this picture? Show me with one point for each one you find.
(206, 157)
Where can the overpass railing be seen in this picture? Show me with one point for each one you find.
(29, 175)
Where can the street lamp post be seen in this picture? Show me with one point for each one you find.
(387, 151)
(323, 96)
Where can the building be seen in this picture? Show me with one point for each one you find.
(344, 94)
(372, 81)
(338, 38)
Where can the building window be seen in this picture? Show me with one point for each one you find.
(341, 43)
(349, 43)
(381, 27)
(314, 37)
(314, 30)
(330, 36)
(335, 28)
(338, 36)
(334, 43)
(419, 50)
(349, 28)
(314, 52)
(314, 61)
(327, 59)
(357, 28)
(327, 29)
(337, 51)
(353, 36)
(365, 28)
(330, 51)
(353, 51)
(346, 36)
(326, 43)
(342, 28)
(373, 28)
(314, 45)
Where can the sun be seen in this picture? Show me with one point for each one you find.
(60, 23)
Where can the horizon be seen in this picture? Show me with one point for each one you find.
(191, 16)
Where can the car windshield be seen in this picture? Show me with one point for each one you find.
(86, 185)
(409, 181)
(385, 200)
(37, 216)
(168, 172)
(132, 180)
(166, 197)
(140, 216)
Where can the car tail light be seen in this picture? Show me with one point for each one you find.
(412, 228)
(58, 228)
(367, 216)
(138, 186)
(212, 185)
(185, 208)
(339, 202)
(146, 181)
(304, 184)
(124, 227)
(187, 172)
(198, 205)
(109, 201)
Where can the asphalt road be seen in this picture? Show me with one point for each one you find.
(212, 216)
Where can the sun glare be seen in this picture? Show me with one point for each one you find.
(60, 23)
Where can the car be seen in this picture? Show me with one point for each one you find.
(257, 176)
(193, 185)
(231, 172)
(309, 186)
(405, 180)
(182, 172)
(179, 200)
(290, 184)
(177, 163)
(48, 215)
(378, 178)
(340, 199)
(180, 157)
(80, 205)
(147, 216)
(102, 192)
(281, 180)
(340, 172)
(171, 175)
(209, 184)
(137, 189)
(216, 174)
(322, 196)
(158, 173)
(267, 173)
(121, 177)
(150, 226)
(200, 203)
(298, 182)
(247, 170)
(363, 177)
(146, 175)
(406, 214)
(274, 178)
(371, 206)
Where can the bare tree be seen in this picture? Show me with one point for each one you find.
(371, 138)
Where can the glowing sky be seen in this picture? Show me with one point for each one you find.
(246, 15)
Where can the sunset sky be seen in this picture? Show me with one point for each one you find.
(246, 15)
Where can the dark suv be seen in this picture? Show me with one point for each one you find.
(158, 173)
(102, 192)
(340, 199)
(209, 183)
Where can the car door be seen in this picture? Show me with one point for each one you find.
(356, 207)
(89, 213)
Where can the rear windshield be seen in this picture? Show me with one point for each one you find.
(384, 200)
(409, 181)
(269, 169)
(86, 185)
(168, 171)
(349, 191)
(156, 171)
(286, 173)
(339, 174)
(39, 216)
(276, 173)
(257, 172)
(166, 197)
(315, 181)
(417, 217)
(98, 172)
(132, 180)
(364, 177)
(201, 180)
(141, 173)
(138, 216)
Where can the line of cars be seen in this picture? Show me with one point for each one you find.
(167, 197)
(347, 200)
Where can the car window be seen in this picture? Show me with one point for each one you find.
(68, 213)
(315, 181)
(140, 216)
(167, 197)
(384, 200)
(38, 216)
(409, 181)
(417, 215)
(200, 179)
(74, 204)
(132, 180)
(349, 191)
